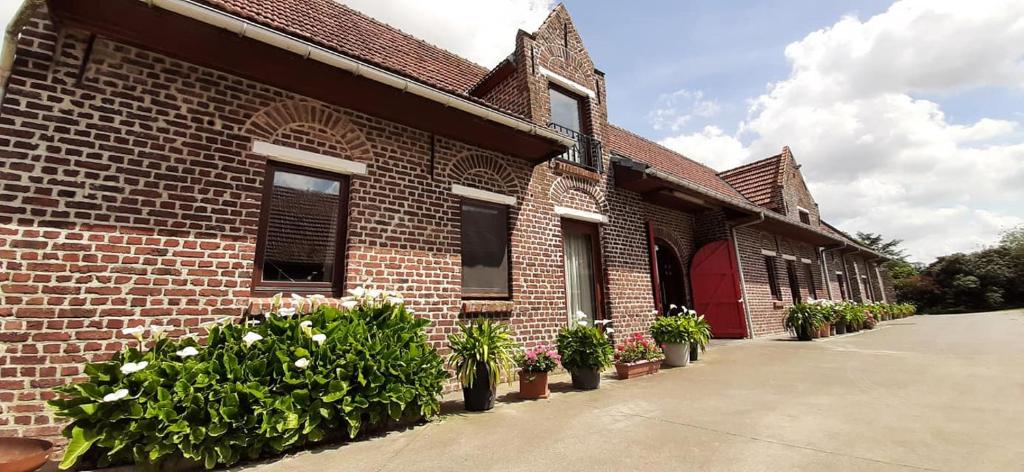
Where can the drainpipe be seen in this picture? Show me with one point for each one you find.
(251, 30)
(824, 266)
(739, 267)
(10, 41)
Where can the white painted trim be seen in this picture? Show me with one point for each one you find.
(765, 252)
(839, 272)
(581, 215)
(308, 159)
(565, 82)
(788, 257)
(805, 260)
(800, 208)
(483, 195)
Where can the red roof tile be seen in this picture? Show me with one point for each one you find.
(339, 28)
(621, 141)
(758, 181)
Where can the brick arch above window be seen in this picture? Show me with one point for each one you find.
(578, 67)
(578, 193)
(484, 172)
(291, 121)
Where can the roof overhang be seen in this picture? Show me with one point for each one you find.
(664, 189)
(204, 36)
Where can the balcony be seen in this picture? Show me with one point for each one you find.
(586, 153)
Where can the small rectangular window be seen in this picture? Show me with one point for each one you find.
(810, 281)
(805, 217)
(300, 244)
(794, 282)
(773, 281)
(485, 242)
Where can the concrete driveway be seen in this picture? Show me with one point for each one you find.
(924, 393)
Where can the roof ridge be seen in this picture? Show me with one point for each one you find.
(411, 36)
(749, 164)
(677, 153)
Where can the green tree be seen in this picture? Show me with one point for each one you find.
(877, 242)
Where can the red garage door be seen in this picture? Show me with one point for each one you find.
(714, 276)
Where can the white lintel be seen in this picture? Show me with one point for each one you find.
(580, 215)
(308, 159)
(567, 83)
(483, 195)
(805, 260)
(765, 252)
(788, 257)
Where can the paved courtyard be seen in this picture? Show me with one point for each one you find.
(924, 393)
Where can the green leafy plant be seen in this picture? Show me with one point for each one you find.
(584, 347)
(671, 329)
(482, 344)
(803, 319)
(700, 331)
(252, 391)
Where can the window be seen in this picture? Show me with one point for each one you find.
(582, 247)
(805, 216)
(565, 110)
(485, 242)
(870, 293)
(810, 281)
(301, 235)
(773, 281)
(842, 285)
(794, 282)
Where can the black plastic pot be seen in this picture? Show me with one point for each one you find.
(479, 397)
(694, 352)
(803, 333)
(840, 328)
(585, 379)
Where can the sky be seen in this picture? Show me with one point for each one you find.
(906, 116)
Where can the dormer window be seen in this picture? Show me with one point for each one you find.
(805, 216)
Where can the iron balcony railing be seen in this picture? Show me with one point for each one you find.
(585, 153)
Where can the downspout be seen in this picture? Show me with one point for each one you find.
(739, 267)
(824, 266)
(10, 41)
(251, 30)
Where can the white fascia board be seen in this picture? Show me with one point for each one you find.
(308, 159)
(565, 82)
(765, 252)
(483, 195)
(574, 214)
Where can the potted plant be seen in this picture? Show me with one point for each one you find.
(803, 319)
(672, 333)
(700, 335)
(534, 365)
(481, 353)
(637, 357)
(585, 352)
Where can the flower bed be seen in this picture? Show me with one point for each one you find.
(252, 391)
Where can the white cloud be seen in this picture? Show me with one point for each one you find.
(676, 109)
(7, 9)
(481, 31)
(876, 158)
(710, 146)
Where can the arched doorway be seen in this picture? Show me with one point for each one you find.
(671, 280)
(714, 276)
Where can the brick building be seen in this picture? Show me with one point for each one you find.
(178, 161)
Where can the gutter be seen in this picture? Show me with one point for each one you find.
(739, 267)
(10, 41)
(248, 29)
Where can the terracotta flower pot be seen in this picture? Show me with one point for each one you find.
(637, 369)
(823, 331)
(23, 454)
(533, 385)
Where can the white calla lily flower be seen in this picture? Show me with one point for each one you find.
(250, 338)
(113, 397)
(319, 338)
(132, 367)
(349, 304)
(187, 352)
(302, 363)
(358, 292)
(135, 332)
(286, 312)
